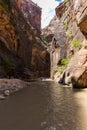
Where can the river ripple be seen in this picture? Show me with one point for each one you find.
(45, 106)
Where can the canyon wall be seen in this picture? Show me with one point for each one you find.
(76, 71)
(32, 12)
(68, 44)
(19, 39)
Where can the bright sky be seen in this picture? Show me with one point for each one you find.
(48, 9)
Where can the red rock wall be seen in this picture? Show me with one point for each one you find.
(32, 13)
(60, 9)
(22, 53)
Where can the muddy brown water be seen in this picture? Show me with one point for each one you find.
(45, 106)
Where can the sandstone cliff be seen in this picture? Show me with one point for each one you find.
(76, 72)
(32, 12)
(48, 32)
(67, 40)
(19, 44)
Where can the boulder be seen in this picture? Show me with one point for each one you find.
(6, 92)
(9, 86)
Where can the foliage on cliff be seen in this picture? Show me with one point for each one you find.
(67, 38)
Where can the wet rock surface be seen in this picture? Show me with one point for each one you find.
(9, 86)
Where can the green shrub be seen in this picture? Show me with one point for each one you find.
(69, 33)
(1, 3)
(44, 39)
(60, 68)
(8, 62)
(65, 61)
(65, 1)
(65, 25)
(76, 43)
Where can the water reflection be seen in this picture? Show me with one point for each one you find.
(45, 106)
(81, 100)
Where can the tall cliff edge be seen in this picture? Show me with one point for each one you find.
(20, 47)
(67, 46)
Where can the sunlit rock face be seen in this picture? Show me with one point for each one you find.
(32, 12)
(70, 28)
(76, 72)
(48, 31)
(73, 18)
(65, 31)
(80, 9)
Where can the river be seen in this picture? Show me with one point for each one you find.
(45, 106)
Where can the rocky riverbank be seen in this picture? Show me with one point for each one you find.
(9, 86)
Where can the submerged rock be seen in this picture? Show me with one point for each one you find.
(2, 97)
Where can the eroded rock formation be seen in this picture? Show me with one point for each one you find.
(48, 32)
(67, 41)
(32, 12)
(18, 38)
(65, 33)
(60, 9)
(80, 10)
(76, 72)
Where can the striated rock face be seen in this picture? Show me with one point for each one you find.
(17, 41)
(69, 37)
(32, 13)
(10, 64)
(7, 31)
(76, 72)
(40, 62)
(66, 35)
(48, 32)
(80, 10)
(60, 9)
